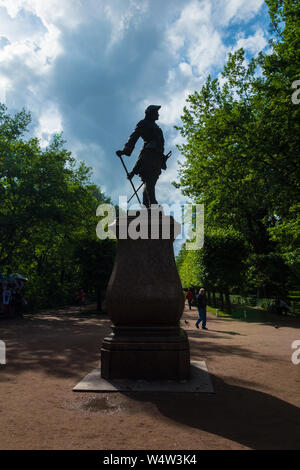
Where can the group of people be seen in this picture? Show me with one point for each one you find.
(200, 301)
(11, 298)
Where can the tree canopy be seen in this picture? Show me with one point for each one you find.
(241, 149)
(48, 210)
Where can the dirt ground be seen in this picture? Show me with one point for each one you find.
(255, 404)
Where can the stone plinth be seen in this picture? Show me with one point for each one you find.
(145, 302)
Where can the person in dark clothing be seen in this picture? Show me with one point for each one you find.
(201, 305)
(190, 296)
(151, 159)
(80, 299)
(18, 302)
(281, 307)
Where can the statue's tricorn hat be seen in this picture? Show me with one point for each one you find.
(151, 108)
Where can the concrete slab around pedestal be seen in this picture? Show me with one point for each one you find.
(198, 382)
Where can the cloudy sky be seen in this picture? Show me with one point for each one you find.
(90, 67)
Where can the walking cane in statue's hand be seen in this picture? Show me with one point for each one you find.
(119, 153)
(165, 158)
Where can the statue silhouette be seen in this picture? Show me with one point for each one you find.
(151, 159)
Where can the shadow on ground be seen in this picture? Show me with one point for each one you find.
(61, 345)
(67, 346)
(249, 417)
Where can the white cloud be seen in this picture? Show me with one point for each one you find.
(4, 85)
(173, 105)
(194, 37)
(123, 16)
(235, 10)
(49, 11)
(186, 27)
(186, 69)
(196, 46)
(254, 43)
(37, 55)
(31, 44)
(50, 122)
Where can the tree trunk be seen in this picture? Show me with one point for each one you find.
(99, 300)
(221, 301)
(214, 299)
(62, 271)
(227, 302)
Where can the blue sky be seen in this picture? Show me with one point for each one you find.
(89, 68)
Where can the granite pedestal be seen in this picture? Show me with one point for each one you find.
(145, 302)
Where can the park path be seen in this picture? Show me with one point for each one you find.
(256, 404)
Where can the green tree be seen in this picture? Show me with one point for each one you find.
(95, 258)
(281, 69)
(218, 266)
(48, 207)
(242, 150)
(223, 167)
(189, 267)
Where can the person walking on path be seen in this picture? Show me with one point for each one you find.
(80, 299)
(190, 296)
(201, 305)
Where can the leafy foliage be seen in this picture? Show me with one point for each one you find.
(242, 145)
(48, 210)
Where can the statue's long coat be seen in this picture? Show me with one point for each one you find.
(151, 158)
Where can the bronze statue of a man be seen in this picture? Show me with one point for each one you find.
(151, 159)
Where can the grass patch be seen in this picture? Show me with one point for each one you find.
(241, 312)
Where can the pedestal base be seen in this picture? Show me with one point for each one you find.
(199, 382)
(146, 352)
